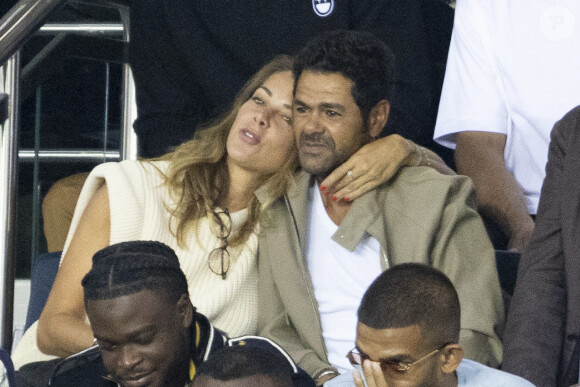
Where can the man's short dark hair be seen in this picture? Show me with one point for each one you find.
(129, 267)
(410, 294)
(357, 55)
(231, 363)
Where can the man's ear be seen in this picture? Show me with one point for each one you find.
(185, 310)
(453, 356)
(378, 117)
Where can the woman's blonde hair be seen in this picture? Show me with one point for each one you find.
(197, 175)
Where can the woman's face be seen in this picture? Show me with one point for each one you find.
(261, 137)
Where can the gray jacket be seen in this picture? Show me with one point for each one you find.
(543, 328)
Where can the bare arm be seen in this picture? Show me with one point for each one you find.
(376, 163)
(62, 329)
(479, 155)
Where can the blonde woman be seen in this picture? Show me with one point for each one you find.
(198, 199)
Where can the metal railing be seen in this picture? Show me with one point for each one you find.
(8, 195)
(21, 21)
(26, 18)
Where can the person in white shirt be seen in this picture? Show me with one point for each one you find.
(512, 72)
(407, 333)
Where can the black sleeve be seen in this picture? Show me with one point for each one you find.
(166, 91)
(418, 32)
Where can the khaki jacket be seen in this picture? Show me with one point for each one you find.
(421, 216)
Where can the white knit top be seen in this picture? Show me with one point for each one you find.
(138, 203)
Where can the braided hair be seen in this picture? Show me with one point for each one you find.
(129, 267)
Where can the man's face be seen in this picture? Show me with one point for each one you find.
(143, 338)
(404, 345)
(328, 124)
(246, 381)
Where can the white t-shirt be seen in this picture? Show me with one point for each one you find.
(513, 68)
(339, 278)
(139, 203)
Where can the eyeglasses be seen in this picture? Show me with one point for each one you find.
(219, 258)
(395, 369)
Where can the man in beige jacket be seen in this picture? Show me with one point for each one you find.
(317, 255)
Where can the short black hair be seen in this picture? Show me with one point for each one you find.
(240, 361)
(410, 294)
(359, 56)
(129, 267)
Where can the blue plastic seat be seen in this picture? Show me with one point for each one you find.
(41, 280)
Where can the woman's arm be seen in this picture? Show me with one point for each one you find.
(376, 163)
(62, 329)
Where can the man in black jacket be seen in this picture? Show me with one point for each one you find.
(147, 332)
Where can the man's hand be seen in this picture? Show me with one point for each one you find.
(376, 163)
(520, 239)
(373, 374)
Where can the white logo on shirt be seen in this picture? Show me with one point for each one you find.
(557, 23)
(323, 8)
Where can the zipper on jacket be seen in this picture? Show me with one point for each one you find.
(306, 275)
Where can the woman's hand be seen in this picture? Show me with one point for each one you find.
(376, 163)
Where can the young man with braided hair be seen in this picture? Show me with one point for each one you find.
(147, 332)
(407, 335)
(137, 301)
